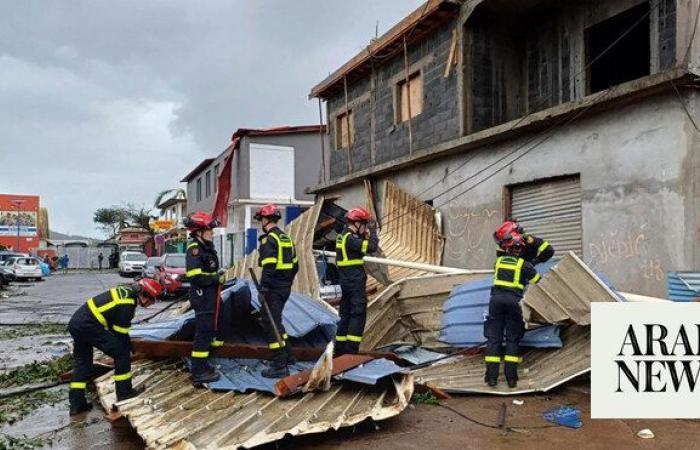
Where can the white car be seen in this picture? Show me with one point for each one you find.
(131, 263)
(24, 268)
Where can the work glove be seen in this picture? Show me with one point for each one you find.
(222, 276)
(372, 224)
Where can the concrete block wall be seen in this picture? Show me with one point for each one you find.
(377, 137)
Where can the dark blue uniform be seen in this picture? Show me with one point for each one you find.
(350, 248)
(511, 275)
(202, 265)
(279, 262)
(103, 322)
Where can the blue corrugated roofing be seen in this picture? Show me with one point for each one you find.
(242, 375)
(411, 353)
(463, 319)
(683, 286)
(370, 372)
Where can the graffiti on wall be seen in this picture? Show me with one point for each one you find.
(469, 234)
(629, 248)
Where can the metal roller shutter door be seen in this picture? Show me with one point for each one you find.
(551, 210)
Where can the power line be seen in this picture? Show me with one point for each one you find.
(685, 107)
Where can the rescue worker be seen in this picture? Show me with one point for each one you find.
(278, 259)
(512, 273)
(202, 271)
(536, 250)
(103, 322)
(358, 239)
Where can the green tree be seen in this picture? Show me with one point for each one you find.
(173, 193)
(110, 220)
(139, 216)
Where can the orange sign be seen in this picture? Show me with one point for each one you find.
(162, 224)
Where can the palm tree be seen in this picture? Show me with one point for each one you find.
(176, 193)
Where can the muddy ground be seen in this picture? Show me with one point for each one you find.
(41, 418)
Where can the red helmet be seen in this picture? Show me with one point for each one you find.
(150, 287)
(270, 211)
(507, 228)
(200, 221)
(514, 241)
(358, 215)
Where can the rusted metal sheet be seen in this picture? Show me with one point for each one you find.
(172, 414)
(565, 294)
(410, 311)
(301, 231)
(409, 233)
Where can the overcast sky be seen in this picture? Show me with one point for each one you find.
(109, 102)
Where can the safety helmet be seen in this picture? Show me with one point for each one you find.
(358, 215)
(200, 221)
(270, 211)
(515, 242)
(150, 287)
(505, 230)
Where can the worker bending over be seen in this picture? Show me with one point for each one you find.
(358, 239)
(278, 259)
(103, 323)
(512, 273)
(536, 250)
(202, 271)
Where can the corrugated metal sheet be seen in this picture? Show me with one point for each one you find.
(302, 232)
(244, 375)
(370, 372)
(551, 210)
(565, 294)
(410, 311)
(171, 414)
(465, 311)
(540, 371)
(409, 233)
(683, 286)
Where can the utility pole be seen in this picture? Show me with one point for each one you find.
(17, 204)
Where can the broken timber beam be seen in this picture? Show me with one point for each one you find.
(293, 383)
(182, 349)
(414, 265)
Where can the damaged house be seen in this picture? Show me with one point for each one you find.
(574, 117)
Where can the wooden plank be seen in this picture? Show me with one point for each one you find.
(293, 383)
(451, 59)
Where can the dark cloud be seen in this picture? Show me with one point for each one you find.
(104, 102)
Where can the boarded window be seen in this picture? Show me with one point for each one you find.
(345, 122)
(551, 210)
(414, 87)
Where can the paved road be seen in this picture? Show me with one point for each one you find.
(56, 298)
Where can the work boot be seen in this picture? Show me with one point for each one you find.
(208, 376)
(491, 381)
(291, 360)
(80, 408)
(278, 366)
(512, 383)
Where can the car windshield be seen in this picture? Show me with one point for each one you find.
(26, 262)
(175, 261)
(153, 262)
(135, 257)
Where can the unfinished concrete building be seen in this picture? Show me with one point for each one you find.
(576, 117)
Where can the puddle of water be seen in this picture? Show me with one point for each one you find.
(25, 350)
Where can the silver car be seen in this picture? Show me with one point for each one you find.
(150, 269)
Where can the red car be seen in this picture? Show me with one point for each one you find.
(171, 274)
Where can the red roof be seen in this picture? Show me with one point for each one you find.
(201, 166)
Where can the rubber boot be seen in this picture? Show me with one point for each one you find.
(278, 367)
(338, 349)
(125, 391)
(491, 376)
(511, 372)
(209, 375)
(291, 360)
(78, 403)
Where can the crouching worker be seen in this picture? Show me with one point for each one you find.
(103, 323)
(511, 275)
(351, 246)
(203, 273)
(278, 259)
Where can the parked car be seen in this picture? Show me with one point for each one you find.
(24, 267)
(150, 269)
(4, 255)
(131, 263)
(171, 274)
(6, 275)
